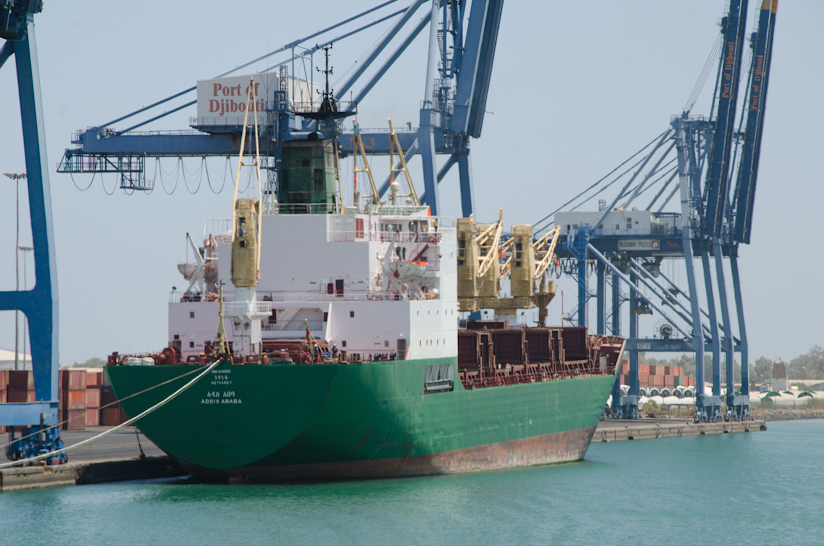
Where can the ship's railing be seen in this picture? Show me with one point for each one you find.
(302, 208)
(531, 373)
(242, 308)
(267, 298)
(347, 295)
(181, 296)
(374, 356)
(230, 308)
(218, 228)
(348, 235)
(315, 326)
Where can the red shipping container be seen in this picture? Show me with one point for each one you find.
(643, 378)
(93, 379)
(110, 417)
(3, 396)
(92, 417)
(4, 379)
(19, 380)
(73, 419)
(643, 368)
(93, 398)
(72, 380)
(73, 400)
(19, 397)
(659, 381)
(669, 381)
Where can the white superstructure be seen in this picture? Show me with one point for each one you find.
(375, 281)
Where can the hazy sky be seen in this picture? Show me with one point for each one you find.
(576, 89)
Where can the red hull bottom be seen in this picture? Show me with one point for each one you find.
(559, 447)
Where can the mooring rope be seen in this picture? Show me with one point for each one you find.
(118, 427)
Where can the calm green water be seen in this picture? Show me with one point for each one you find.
(757, 488)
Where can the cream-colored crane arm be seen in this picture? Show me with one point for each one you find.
(550, 240)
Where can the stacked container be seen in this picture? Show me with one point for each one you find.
(651, 375)
(73, 399)
(94, 385)
(20, 388)
(110, 415)
(4, 383)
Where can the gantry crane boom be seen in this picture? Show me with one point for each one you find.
(716, 189)
(462, 39)
(755, 107)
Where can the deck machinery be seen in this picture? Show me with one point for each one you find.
(630, 244)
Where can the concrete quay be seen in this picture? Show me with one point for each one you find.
(113, 458)
(117, 458)
(648, 429)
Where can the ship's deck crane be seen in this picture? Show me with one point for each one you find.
(487, 258)
(462, 38)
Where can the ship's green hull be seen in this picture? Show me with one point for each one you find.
(358, 420)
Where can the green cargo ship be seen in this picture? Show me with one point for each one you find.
(340, 349)
(358, 420)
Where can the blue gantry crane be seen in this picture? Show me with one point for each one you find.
(630, 243)
(38, 304)
(462, 38)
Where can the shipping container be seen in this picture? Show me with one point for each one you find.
(4, 379)
(73, 400)
(110, 417)
(20, 380)
(92, 417)
(94, 379)
(73, 419)
(93, 398)
(72, 380)
(19, 397)
(3, 396)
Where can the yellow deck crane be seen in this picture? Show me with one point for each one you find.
(525, 263)
(478, 251)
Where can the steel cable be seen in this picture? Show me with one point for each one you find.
(199, 172)
(101, 407)
(209, 180)
(596, 184)
(162, 183)
(78, 187)
(118, 427)
(103, 183)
